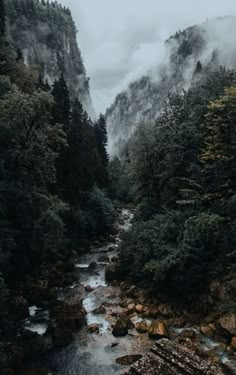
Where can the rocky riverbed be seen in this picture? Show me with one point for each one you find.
(89, 323)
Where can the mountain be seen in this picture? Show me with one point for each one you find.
(189, 55)
(45, 33)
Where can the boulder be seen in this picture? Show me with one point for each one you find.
(233, 343)
(131, 307)
(157, 330)
(207, 331)
(122, 327)
(139, 308)
(128, 360)
(141, 327)
(228, 322)
(94, 328)
(168, 358)
(100, 310)
(88, 288)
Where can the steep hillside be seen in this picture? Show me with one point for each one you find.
(190, 54)
(46, 35)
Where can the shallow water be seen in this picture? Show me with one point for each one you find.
(96, 354)
(93, 354)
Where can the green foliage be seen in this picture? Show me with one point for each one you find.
(2, 17)
(120, 186)
(218, 155)
(49, 164)
(183, 172)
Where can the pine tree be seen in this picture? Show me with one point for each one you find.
(61, 110)
(218, 156)
(101, 138)
(2, 17)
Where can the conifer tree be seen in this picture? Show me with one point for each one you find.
(218, 156)
(61, 110)
(2, 17)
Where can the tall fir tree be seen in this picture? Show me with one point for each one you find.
(62, 109)
(218, 156)
(101, 139)
(2, 17)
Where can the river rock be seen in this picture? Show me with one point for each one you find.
(187, 334)
(168, 358)
(207, 331)
(131, 307)
(100, 310)
(128, 360)
(228, 322)
(141, 327)
(157, 330)
(233, 343)
(139, 308)
(88, 289)
(94, 328)
(122, 326)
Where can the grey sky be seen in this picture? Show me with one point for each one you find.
(121, 39)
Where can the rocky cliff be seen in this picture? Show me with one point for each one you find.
(45, 34)
(189, 54)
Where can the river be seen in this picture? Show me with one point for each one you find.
(96, 353)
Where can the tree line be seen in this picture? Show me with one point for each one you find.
(183, 173)
(53, 170)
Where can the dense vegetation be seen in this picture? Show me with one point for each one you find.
(53, 166)
(184, 176)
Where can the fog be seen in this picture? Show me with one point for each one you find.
(121, 40)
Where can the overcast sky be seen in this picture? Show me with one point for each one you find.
(121, 39)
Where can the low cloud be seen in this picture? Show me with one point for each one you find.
(122, 40)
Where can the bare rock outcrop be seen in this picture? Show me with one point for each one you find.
(168, 358)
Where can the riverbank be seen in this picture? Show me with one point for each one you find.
(73, 319)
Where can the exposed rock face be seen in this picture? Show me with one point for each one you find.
(143, 100)
(46, 36)
(168, 358)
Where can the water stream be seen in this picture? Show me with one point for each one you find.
(96, 354)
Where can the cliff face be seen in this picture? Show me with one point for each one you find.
(46, 35)
(190, 54)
